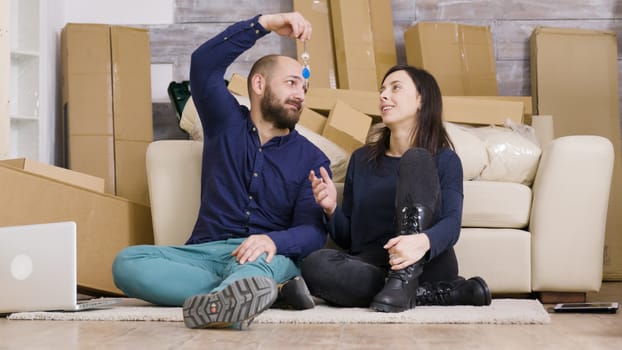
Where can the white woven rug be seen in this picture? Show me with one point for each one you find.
(501, 311)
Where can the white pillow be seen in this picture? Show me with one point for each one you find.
(471, 150)
(338, 157)
(512, 157)
(190, 121)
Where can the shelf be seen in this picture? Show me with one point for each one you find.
(17, 54)
(24, 99)
(25, 91)
(23, 117)
(25, 25)
(23, 132)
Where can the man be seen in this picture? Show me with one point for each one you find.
(258, 217)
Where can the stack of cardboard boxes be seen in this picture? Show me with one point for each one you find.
(355, 46)
(574, 79)
(107, 105)
(107, 124)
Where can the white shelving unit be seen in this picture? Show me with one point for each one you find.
(26, 80)
(4, 78)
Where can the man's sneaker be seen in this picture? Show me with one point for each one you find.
(294, 294)
(236, 305)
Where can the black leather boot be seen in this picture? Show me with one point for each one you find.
(413, 220)
(400, 289)
(473, 291)
(294, 294)
(417, 197)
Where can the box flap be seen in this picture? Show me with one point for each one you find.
(347, 127)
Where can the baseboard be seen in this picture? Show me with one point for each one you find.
(561, 297)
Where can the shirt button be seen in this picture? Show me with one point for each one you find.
(250, 197)
(254, 129)
(226, 37)
(255, 174)
(252, 24)
(256, 31)
(260, 149)
(248, 213)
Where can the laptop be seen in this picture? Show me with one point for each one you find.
(38, 269)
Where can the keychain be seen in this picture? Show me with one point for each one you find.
(306, 71)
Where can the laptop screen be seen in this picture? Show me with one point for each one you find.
(38, 267)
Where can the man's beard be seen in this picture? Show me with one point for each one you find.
(276, 112)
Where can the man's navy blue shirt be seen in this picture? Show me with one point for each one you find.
(248, 188)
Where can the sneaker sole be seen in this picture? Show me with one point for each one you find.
(239, 302)
(296, 294)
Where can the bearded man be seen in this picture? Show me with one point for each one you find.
(258, 217)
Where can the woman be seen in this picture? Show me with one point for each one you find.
(401, 210)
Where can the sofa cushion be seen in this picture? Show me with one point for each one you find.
(496, 204)
(502, 257)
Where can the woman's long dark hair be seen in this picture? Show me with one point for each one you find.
(429, 132)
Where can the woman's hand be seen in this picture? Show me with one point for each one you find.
(291, 24)
(324, 191)
(406, 250)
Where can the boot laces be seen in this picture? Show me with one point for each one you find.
(410, 220)
(433, 294)
(405, 274)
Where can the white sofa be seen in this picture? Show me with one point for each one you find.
(548, 237)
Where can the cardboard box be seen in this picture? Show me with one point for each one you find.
(460, 57)
(320, 47)
(106, 224)
(574, 78)
(463, 109)
(100, 146)
(458, 109)
(353, 44)
(312, 120)
(107, 98)
(323, 100)
(75, 178)
(128, 153)
(526, 100)
(385, 54)
(347, 127)
(238, 85)
(87, 100)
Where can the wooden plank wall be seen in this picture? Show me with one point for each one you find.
(511, 22)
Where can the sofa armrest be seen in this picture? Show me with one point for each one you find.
(174, 180)
(569, 213)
